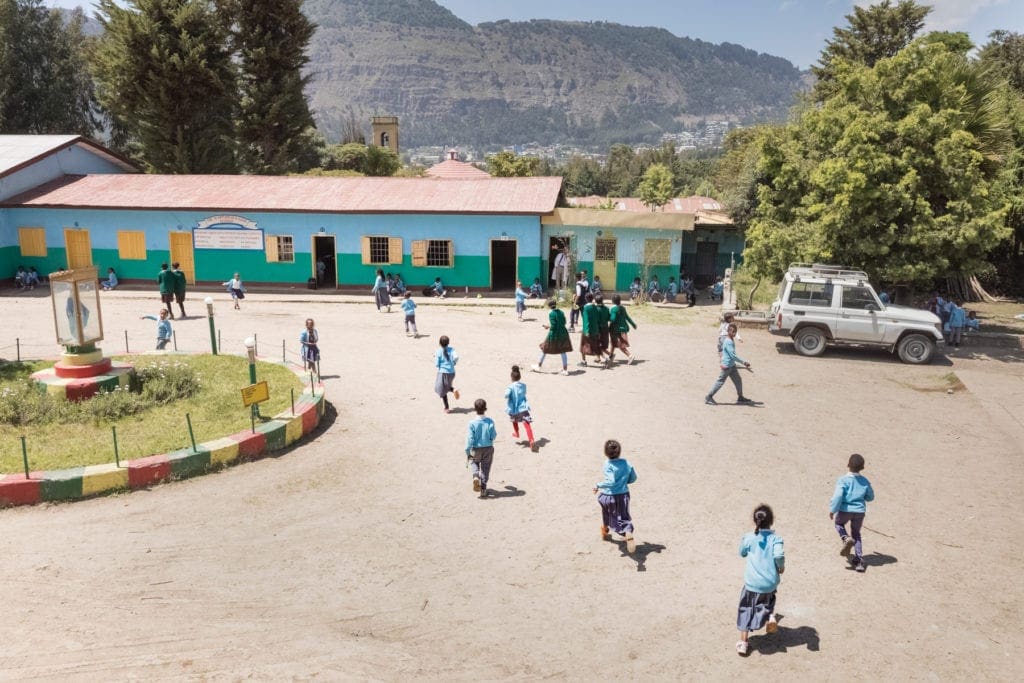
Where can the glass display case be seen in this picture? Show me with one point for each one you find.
(76, 306)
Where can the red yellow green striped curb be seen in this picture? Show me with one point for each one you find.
(82, 482)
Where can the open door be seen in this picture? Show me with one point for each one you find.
(183, 255)
(707, 255)
(324, 252)
(503, 264)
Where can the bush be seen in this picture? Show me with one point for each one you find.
(165, 381)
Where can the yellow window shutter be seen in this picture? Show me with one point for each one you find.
(451, 254)
(131, 244)
(419, 252)
(270, 244)
(32, 241)
(395, 250)
(366, 249)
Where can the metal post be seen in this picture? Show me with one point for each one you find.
(284, 359)
(250, 349)
(191, 435)
(219, 344)
(117, 456)
(17, 342)
(293, 400)
(24, 456)
(174, 339)
(312, 390)
(126, 341)
(209, 316)
(255, 345)
(252, 416)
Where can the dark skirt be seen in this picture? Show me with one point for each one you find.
(521, 417)
(604, 334)
(310, 353)
(383, 298)
(754, 610)
(620, 340)
(443, 383)
(590, 345)
(556, 344)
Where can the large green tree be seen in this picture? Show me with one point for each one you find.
(45, 86)
(874, 33)
(893, 173)
(166, 78)
(508, 164)
(270, 38)
(656, 188)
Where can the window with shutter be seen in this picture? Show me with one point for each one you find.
(419, 252)
(32, 241)
(131, 245)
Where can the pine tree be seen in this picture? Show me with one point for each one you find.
(44, 83)
(270, 38)
(165, 77)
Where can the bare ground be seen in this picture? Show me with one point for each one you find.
(365, 554)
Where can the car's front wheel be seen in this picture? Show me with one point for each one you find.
(916, 349)
(809, 341)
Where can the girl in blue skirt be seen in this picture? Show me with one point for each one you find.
(765, 562)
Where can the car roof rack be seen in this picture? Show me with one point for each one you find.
(828, 271)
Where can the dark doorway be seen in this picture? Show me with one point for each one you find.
(324, 252)
(503, 264)
(707, 257)
(555, 246)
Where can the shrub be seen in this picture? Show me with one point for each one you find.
(165, 381)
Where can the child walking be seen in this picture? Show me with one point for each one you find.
(619, 329)
(766, 561)
(445, 359)
(613, 494)
(409, 306)
(557, 340)
(480, 437)
(853, 490)
(729, 369)
(310, 351)
(236, 289)
(521, 295)
(518, 409)
(163, 328)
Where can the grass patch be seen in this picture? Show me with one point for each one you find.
(947, 383)
(216, 410)
(743, 282)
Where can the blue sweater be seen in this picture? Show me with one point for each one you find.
(729, 357)
(515, 399)
(521, 295)
(480, 433)
(618, 475)
(957, 316)
(852, 491)
(409, 306)
(446, 365)
(765, 557)
(163, 327)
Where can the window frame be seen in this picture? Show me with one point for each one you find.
(394, 255)
(421, 253)
(274, 252)
(657, 244)
(128, 242)
(36, 233)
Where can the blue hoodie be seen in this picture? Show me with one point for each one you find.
(765, 557)
(515, 399)
(443, 364)
(852, 491)
(618, 475)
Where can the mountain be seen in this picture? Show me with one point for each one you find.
(543, 81)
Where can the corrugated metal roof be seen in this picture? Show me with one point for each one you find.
(678, 205)
(452, 169)
(18, 151)
(600, 218)
(296, 194)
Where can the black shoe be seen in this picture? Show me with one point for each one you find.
(483, 491)
(743, 399)
(710, 400)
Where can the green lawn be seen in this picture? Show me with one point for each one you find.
(216, 410)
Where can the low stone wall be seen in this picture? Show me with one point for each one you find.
(81, 482)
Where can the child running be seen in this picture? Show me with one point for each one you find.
(521, 295)
(590, 338)
(480, 437)
(409, 306)
(557, 340)
(518, 409)
(310, 351)
(163, 328)
(444, 360)
(853, 490)
(765, 562)
(236, 289)
(613, 495)
(619, 329)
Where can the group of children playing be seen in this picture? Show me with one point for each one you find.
(955, 319)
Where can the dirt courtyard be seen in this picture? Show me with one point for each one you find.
(365, 555)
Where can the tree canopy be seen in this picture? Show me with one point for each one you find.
(510, 165)
(655, 189)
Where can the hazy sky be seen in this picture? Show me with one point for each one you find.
(794, 29)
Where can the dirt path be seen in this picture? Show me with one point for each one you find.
(365, 555)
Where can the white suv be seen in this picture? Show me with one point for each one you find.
(820, 305)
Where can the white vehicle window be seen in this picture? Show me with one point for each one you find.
(811, 294)
(859, 298)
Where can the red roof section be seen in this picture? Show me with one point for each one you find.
(452, 169)
(303, 194)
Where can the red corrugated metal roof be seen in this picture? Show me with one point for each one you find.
(453, 169)
(296, 193)
(692, 204)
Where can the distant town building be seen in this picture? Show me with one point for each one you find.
(453, 169)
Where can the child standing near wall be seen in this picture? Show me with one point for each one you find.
(444, 360)
(766, 561)
(613, 494)
(521, 295)
(163, 328)
(853, 490)
(409, 306)
(480, 436)
(518, 409)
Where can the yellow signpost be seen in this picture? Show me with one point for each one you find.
(255, 393)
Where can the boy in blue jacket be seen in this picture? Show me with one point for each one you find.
(853, 490)
(613, 495)
(480, 438)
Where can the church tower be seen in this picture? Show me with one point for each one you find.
(385, 132)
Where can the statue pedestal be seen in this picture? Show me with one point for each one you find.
(82, 373)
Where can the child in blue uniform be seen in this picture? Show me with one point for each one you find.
(518, 409)
(409, 306)
(613, 494)
(536, 289)
(163, 328)
(444, 360)
(480, 436)
(765, 563)
(853, 490)
(521, 295)
(729, 369)
(310, 351)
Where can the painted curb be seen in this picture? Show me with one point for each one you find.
(284, 430)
